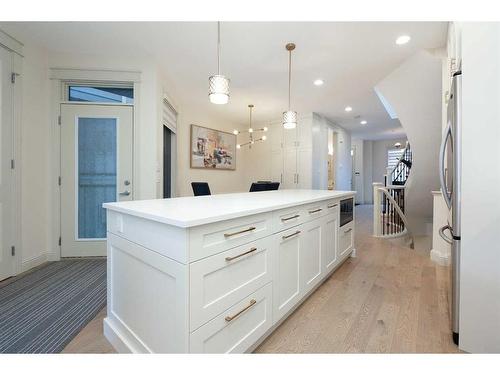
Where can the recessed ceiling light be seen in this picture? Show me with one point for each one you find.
(318, 82)
(364, 122)
(403, 39)
(348, 109)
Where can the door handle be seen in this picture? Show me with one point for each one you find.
(125, 193)
(442, 177)
(443, 236)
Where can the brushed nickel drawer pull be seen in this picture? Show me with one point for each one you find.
(348, 230)
(316, 210)
(291, 235)
(228, 259)
(229, 318)
(290, 218)
(333, 205)
(241, 231)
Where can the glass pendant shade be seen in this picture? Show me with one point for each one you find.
(289, 119)
(218, 90)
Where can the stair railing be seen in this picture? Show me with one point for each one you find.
(401, 171)
(389, 219)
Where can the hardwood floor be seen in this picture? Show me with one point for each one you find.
(389, 299)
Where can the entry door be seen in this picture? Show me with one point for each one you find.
(96, 167)
(6, 172)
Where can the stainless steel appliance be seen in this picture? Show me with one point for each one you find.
(450, 176)
(346, 211)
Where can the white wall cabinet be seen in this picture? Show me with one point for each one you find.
(291, 155)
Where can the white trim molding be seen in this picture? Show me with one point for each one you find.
(11, 43)
(74, 74)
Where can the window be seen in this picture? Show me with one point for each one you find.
(393, 155)
(123, 95)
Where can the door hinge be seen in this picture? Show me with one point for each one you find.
(59, 180)
(13, 76)
(13, 250)
(60, 241)
(12, 164)
(59, 120)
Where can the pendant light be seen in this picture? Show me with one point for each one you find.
(218, 85)
(251, 131)
(289, 117)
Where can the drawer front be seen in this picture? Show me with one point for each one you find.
(332, 207)
(346, 238)
(314, 210)
(211, 239)
(220, 281)
(288, 218)
(238, 328)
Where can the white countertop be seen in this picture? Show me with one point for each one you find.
(187, 212)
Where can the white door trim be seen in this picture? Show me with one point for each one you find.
(17, 62)
(59, 78)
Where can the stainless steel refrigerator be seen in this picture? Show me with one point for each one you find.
(450, 176)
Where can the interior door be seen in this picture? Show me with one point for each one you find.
(96, 167)
(6, 173)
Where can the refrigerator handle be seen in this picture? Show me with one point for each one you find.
(443, 236)
(442, 177)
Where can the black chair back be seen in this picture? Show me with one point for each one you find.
(200, 188)
(274, 186)
(264, 186)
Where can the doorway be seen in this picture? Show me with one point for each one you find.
(331, 158)
(167, 162)
(96, 167)
(7, 166)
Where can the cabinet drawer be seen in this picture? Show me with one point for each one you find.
(332, 207)
(221, 280)
(238, 328)
(211, 239)
(288, 218)
(314, 210)
(346, 238)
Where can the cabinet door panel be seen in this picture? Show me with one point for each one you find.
(331, 242)
(289, 168)
(310, 254)
(290, 138)
(304, 168)
(277, 166)
(286, 288)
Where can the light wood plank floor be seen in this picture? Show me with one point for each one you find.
(389, 299)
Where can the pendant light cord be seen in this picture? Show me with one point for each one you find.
(289, 76)
(218, 47)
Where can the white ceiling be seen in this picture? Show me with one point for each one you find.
(351, 57)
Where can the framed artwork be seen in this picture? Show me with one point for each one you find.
(212, 149)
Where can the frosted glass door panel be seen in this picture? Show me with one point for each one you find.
(97, 174)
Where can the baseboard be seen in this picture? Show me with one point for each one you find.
(114, 338)
(439, 258)
(28, 264)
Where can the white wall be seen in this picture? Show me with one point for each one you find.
(480, 215)
(414, 91)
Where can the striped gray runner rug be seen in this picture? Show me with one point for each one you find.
(42, 311)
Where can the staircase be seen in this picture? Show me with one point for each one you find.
(389, 219)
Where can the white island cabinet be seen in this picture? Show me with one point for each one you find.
(217, 274)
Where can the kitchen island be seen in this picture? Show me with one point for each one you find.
(217, 274)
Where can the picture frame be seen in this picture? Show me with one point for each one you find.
(212, 149)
